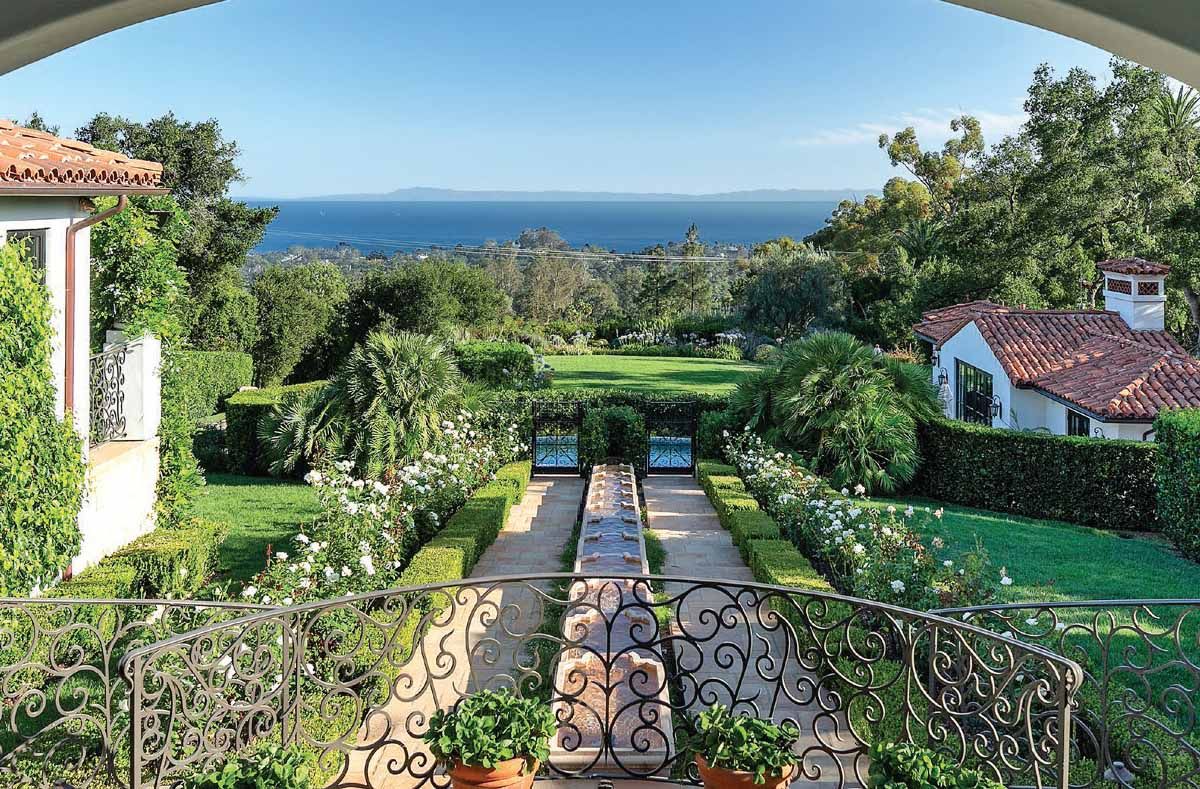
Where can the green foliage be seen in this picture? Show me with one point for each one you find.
(499, 364)
(745, 526)
(1177, 476)
(385, 404)
(296, 307)
(765, 353)
(173, 563)
(909, 766)
(779, 563)
(711, 468)
(41, 460)
(711, 427)
(1090, 481)
(789, 291)
(244, 412)
(743, 743)
(268, 766)
(208, 378)
(492, 726)
(108, 580)
(614, 433)
(655, 376)
(854, 410)
(224, 314)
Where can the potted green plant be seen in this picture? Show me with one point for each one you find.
(492, 740)
(908, 766)
(738, 751)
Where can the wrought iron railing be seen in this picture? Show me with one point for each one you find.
(107, 375)
(356, 679)
(1137, 715)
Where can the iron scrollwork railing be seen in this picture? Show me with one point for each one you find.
(1137, 715)
(107, 375)
(65, 708)
(355, 680)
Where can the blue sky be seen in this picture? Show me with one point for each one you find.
(623, 95)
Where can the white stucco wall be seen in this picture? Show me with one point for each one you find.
(118, 504)
(968, 346)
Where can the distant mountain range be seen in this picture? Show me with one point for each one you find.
(431, 194)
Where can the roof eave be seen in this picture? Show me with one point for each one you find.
(1083, 409)
(78, 190)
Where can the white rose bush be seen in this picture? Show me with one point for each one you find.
(865, 550)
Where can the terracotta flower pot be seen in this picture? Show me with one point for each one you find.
(510, 774)
(720, 778)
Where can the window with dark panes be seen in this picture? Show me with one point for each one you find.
(973, 401)
(34, 242)
(1078, 424)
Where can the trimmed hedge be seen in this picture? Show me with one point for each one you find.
(617, 432)
(1178, 478)
(779, 563)
(174, 563)
(1096, 482)
(499, 364)
(749, 525)
(244, 410)
(517, 405)
(453, 552)
(709, 468)
(208, 378)
(104, 581)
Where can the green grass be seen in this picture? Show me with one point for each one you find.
(647, 373)
(262, 512)
(1055, 561)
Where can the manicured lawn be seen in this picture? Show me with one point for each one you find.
(647, 373)
(1054, 561)
(262, 511)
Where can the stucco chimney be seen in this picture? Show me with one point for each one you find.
(1136, 289)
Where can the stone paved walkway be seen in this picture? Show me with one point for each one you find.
(679, 512)
(472, 646)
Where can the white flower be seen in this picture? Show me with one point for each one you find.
(947, 563)
(1060, 626)
(330, 572)
(891, 509)
(368, 564)
(281, 556)
(859, 549)
(938, 513)
(250, 591)
(313, 477)
(266, 599)
(858, 489)
(345, 571)
(1005, 580)
(897, 586)
(1032, 621)
(303, 539)
(908, 513)
(845, 491)
(286, 601)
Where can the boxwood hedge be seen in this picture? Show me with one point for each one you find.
(243, 411)
(207, 378)
(1095, 482)
(1178, 477)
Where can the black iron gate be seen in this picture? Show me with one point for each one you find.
(555, 443)
(671, 428)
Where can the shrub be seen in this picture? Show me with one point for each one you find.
(178, 474)
(710, 468)
(109, 580)
(243, 413)
(499, 364)
(1095, 482)
(173, 563)
(613, 433)
(908, 766)
(1178, 479)
(517, 405)
(267, 765)
(731, 741)
(765, 353)
(711, 427)
(207, 378)
(724, 350)
(41, 459)
(777, 562)
(748, 525)
(492, 726)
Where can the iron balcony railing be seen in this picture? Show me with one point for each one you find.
(107, 376)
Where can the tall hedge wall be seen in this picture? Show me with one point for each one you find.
(207, 378)
(1094, 482)
(242, 414)
(518, 404)
(1178, 475)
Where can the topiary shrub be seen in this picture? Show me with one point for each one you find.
(765, 353)
(711, 427)
(616, 433)
(1177, 478)
(41, 455)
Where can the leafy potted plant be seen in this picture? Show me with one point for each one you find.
(492, 740)
(738, 751)
(908, 766)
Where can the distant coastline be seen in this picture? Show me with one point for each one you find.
(422, 194)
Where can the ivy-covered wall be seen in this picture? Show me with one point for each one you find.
(41, 455)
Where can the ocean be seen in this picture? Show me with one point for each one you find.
(621, 226)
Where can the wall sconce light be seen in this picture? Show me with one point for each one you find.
(943, 376)
(997, 407)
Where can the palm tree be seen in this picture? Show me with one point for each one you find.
(384, 405)
(921, 239)
(854, 409)
(1178, 112)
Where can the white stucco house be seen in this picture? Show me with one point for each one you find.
(46, 183)
(1103, 373)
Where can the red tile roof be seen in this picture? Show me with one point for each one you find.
(34, 162)
(1089, 358)
(1133, 266)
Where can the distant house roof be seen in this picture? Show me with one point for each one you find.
(1090, 359)
(1133, 266)
(36, 163)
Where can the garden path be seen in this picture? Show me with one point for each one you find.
(481, 626)
(679, 512)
